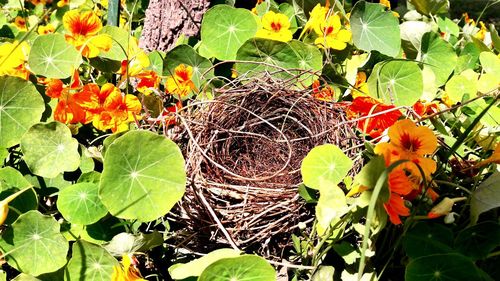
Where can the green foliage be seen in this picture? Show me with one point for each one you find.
(439, 56)
(89, 262)
(50, 150)
(486, 197)
(246, 267)
(374, 29)
(52, 57)
(195, 267)
(426, 239)
(80, 204)
(477, 241)
(441, 267)
(139, 182)
(324, 164)
(184, 54)
(396, 82)
(431, 7)
(20, 107)
(34, 245)
(223, 23)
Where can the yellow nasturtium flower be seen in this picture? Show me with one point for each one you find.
(275, 26)
(317, 16)
(137, 60)
(180, 82)
(20, 23)
(330, 34)
(128, 271)
(12, 59)
(83, 28)
(46, 29)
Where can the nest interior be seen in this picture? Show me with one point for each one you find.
(243, 154)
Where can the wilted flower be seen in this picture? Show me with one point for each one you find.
(275, 26)
(444, 207)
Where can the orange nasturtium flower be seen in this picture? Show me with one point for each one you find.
(127, 271)
(107, 108)
(180, 82)
(147, 79)
(330, 34)
(83, 28)
(409, 142)
(275, 26)
(327, 93)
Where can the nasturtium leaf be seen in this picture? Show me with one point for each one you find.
(458, 86)
(441, 267)
(439, 56)
(332, 204)
(156, 58)
(89, 262)
(102, 231)
(325, 163)
(92, 177)
(486, 197)
(323, 273)
(143, 181)
(427, 239)
(309, 58)
(413, 31)
(195, 267)
(20, 107)
(34, 244)
(396, 82)
(80, 203)
(120, 43)
(428, 7)
(266, 54)
(185, 54)
(224, 29)
(490, 63)
(86, 161)
(243, 268)
(51, 56)
(12, 181)
(374, 29)
(488, 82)
(479, 240)
(492, 116)
(49, 149)
(447, 26)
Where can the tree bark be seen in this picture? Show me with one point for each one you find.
(166, 20)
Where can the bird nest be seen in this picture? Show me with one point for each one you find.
(243, 153)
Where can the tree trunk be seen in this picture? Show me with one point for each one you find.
(166, 20)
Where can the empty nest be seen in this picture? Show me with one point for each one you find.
(243, 153)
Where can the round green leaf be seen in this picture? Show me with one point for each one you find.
(120, 43)
(490, 63)
(224, 29)
(439, 56)
(373, 28)
(244, 268)
(309, 58)
(396, 82)
(34, 244)
(51, 56)
(478, 240)
(324, 163)
(100, 232)
(427, 239)
(185, 54)
(458, 86)
(332, 205)
(143, 176)
(79, 203)
(20, 107)
(441, 267)
(89, 262)
(195, 267)
(49, 149)
(428, 7)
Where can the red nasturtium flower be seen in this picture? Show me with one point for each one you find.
(180, 82)
(83, 28)
(147, 79)
(376, 125)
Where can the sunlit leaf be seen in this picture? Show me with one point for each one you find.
(142, 182)
(325, 163)
(243, 268)
(80, 203)
(20, 107)
(195, 267)
(49, 149)
(89, 262)
(439, 56)
(34, 244)
(433, 7)
(374, 29)
(224, 29)
(51, 56)
(486, 197)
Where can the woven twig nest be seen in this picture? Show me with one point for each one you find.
(243, 154)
